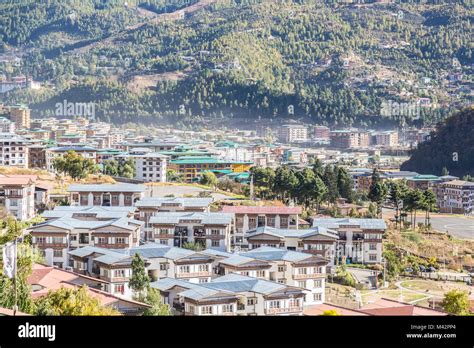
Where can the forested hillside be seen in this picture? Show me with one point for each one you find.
(187, 61)
(450, 147)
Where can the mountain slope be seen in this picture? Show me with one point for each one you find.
(451, 146)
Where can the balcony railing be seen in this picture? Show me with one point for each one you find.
(193, 274)
(309, 276)
(293, 309)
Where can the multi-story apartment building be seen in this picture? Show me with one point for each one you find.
(349, 139)
(360, 240)
(37, 156)
(321, 132)
(423, 182)
(13, 150)
(232, 294)
(291, 133)
(20, 115)
(387, 138)
(105, 194)
(292, 268)
(6, 126)
(149, 206)
(56, 237)
(317, 241)
(191, 168)
(17, 195)
(53, 152)
(161, 261)
(211, 230)
(150, 166)
(455, 197)
(251, 217)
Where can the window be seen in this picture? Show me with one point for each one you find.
(40, 240)
(203, 280)
(281, 268)
(261, 274)
(58, 253)
(57, 240)
(302, 284)
(120, 240)
(163, 266)
(227, 308)
(215, 232)
(215, 243)
(318, 283)
(373, 257)
(244, 273)
(119, 289)
(163, 231)
(274, 304)
(163, 242)
(206, 310)
(240, 307)
(119, 273)
(183, 269)
(318, 270)
(191, 309)
(302, 270)
(203, 268)
(300, 245)
(282, 281)
(251, 301)
(101, 240)
(317, 297)
(372, 246)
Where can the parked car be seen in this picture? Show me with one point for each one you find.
(408, 270)
(422, 268)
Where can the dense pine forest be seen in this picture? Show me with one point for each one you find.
(451, 146)
(327, 62)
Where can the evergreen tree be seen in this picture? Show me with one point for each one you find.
(139, 281)
(377, 191)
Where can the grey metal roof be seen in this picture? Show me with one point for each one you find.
(99, 212)
(228, 285)
(203, 217)
(70, 223)
(185, 202)
(236, 260)
(108, 256)
(215, 252)
(275, 254)
(292, 233)
(334, 223)
(106, 188)
(154, 250)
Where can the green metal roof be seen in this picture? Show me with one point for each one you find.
(204, 160)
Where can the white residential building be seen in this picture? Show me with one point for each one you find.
(13, 150)
(150, 166)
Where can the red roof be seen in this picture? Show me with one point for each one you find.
(388, 307)
(242, 209)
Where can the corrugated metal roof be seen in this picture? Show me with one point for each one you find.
(203, 217)
(185, 202)
(334, 223)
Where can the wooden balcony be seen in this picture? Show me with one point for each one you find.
(309, 276)
(284, 310)
(163, 236)
(193, 274)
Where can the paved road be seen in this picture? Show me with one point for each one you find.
(457, 225)
(179, 191)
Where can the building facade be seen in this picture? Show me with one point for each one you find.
(114, 195)
(455, 197)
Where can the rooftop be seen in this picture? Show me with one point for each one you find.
(106, 188)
